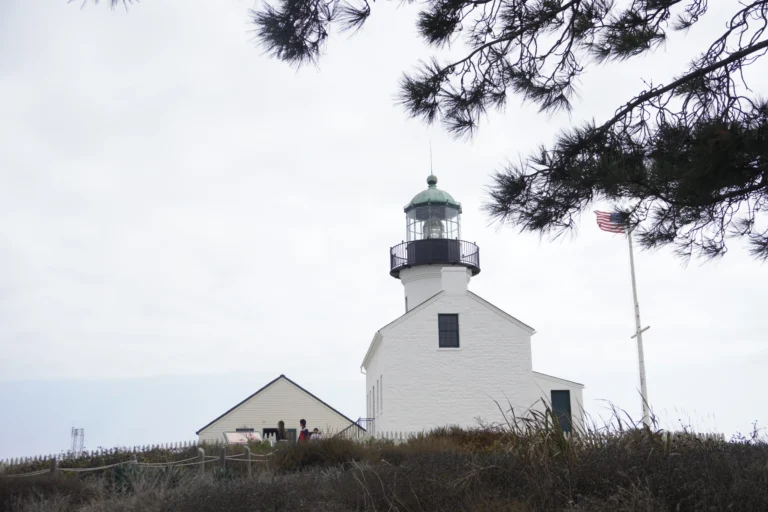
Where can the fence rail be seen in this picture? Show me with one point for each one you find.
(178, 447)
(200, 460)
(100, 452)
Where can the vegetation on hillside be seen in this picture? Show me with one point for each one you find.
(531, 468)
(117, 455)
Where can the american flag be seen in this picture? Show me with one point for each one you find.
(611, 222)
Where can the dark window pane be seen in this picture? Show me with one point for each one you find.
(448, 331)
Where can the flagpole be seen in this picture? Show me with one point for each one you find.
(639, 334)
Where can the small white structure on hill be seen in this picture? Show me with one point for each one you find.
(453, 358)
(280, 400)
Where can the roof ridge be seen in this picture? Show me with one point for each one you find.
(281, 376)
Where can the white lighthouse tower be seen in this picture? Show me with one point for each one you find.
(433, 244)
(452, 358)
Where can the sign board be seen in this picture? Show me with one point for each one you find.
(242, 437)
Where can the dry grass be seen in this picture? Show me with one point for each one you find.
(526, 465)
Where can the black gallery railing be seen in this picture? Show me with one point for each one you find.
(433, 251)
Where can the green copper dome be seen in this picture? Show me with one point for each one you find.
(433, 196)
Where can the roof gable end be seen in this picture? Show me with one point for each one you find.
(558, 379)
(378, 337)
(265, 387)
(502, 313)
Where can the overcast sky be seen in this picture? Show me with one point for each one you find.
(183, 219)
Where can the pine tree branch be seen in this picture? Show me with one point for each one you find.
(655, 93)
(514, 35)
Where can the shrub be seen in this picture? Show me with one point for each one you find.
(528, 467)
(15, 491)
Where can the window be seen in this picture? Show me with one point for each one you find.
(406, 304)
(244, 429)
(448, 326)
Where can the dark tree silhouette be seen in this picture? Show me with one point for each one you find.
(687, 161)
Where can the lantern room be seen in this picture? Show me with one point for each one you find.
(433, 233)
(433, 213)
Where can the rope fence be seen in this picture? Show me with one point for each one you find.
(34, 473)
(199, 460)
(169, 463)
(173, 447)
(192, 463)
(86, 470)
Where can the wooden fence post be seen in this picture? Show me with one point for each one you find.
(248, 458)
(202, 460)
(223, 458)
(134, 460)
(54, 466)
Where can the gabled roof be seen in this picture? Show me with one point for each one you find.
(503, 313)
(377, 337)
(268, 385)
(560, 379)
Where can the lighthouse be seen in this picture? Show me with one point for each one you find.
(453, 357)
(433, 244)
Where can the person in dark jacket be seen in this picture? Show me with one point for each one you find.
(304, 432)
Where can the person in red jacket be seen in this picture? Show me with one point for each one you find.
(304, 432)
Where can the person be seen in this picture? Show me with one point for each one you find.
(281, 430)
(316, 435)
(303, 433)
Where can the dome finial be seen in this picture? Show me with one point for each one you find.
(431, 179)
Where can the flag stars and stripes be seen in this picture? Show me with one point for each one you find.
(611, 222)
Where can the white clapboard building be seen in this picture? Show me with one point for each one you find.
(280, 400)
(453, 358)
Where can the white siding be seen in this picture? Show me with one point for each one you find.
(544, 385)
(423, 282)
(429, 387)
(370, 381)
(381, 393)
(280, 401)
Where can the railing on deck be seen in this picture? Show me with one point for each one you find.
(434, 251)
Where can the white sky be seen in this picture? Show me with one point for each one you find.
(183, 219)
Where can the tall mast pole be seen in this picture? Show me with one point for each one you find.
(639, 335)
(431, 171)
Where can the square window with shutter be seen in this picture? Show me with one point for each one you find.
(448, 328)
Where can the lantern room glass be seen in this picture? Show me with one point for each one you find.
(433, 221)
